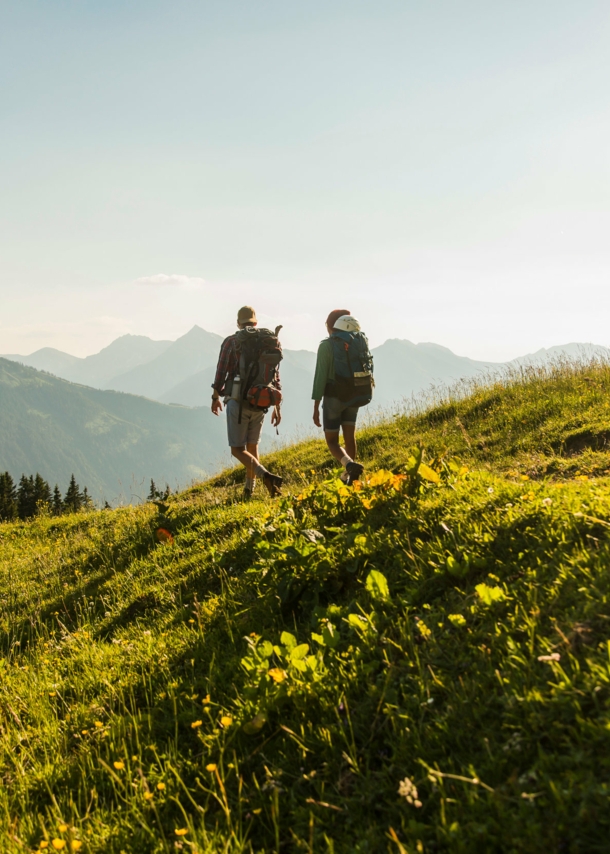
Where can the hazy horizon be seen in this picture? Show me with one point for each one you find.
(439, 169)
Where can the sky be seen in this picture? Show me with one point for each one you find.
(438, 168)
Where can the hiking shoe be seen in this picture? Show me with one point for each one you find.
(273, 482)
(353, 470)
(344, 476)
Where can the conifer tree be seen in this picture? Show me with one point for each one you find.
(74, 498)
(57, 506)
(8, 498)
(42, 493)
(87, 500)
(153, 492)
(26, 502)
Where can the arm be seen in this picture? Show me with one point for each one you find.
(222, 370)
(324, 372)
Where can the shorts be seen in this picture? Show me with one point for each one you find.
(249, 431)
(335, 414)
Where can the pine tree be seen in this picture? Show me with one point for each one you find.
(8, 498)
(74, 499)
(87, 500)
(26, 502)
(42, 494)
(153, 492)
(58, 504)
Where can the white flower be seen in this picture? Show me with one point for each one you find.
(408, 791)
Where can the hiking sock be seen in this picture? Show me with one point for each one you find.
(260, 470)
(250, 483)
(345, 461)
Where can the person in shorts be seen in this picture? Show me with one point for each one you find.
(243, 434)
(337, 416)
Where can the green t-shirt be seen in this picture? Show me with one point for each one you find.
(325, 369)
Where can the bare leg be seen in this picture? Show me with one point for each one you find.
(248, 459)
(332, 440)
(349, 437)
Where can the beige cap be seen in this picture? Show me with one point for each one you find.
(246, 314)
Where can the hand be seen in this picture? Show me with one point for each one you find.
(316, 414)
(216, 405)
(276, 416)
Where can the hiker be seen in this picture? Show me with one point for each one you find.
(344, 379)
(247, 376)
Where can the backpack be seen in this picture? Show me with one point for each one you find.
(353, 383)
(260, 354)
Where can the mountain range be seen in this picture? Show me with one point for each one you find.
(140, 408)
(113, 442)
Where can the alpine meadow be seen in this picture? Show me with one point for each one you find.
(417, 664)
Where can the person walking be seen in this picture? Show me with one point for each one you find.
(247, 376)
(344, 381)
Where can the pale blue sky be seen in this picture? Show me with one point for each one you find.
(440, 168)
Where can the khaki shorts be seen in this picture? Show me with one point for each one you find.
(249, 431)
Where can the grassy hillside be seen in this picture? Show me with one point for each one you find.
(114, 443)
(420, 664)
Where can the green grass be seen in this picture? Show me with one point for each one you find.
(270, 680)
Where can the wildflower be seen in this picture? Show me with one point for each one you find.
(226, 720)
(195, 724)
(206, 700)
(554, 656)
(277, 674)
(43, 844)
(457, 619)
(547, 501)
(181, 831)
(119, 765)
(211, 767)
(76, 844)
(408, 790)
(161, 787)
(148, 796)
(98, 724)
(58, 844)
(62, 828)
(134, 758)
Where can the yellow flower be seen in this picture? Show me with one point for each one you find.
(161, 786)
(277, 674)
(62, 828)
(134, 758)
(195, 724)
(181, 831)
(58, 844)
(206, 700)
(76, 844)
(258, 811)
(148, 796)
(367, 503)
(119, 765)
(226, 720)
(98, 724)
(43, 843)
(211, 767)
(84, 732)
